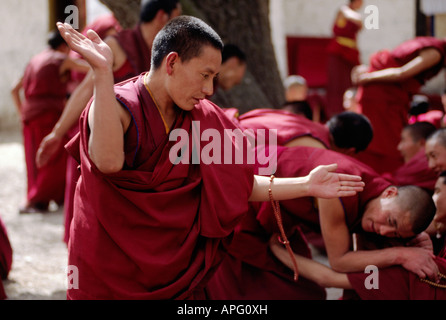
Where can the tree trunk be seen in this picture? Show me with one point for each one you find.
(126, 12)
(244, 23)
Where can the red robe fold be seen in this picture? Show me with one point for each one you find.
(387, 104)
(5, 257)
(154, 230)
(396, 283)
(251, 271)
(289, 126)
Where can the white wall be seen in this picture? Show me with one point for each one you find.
(23, 33)
(314, 18)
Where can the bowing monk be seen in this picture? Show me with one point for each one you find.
(395, 283)
(385, 92)
(131, 52)
(382, 209)
(347, 132)
(44, 84)
(162, 231)
(415, 170)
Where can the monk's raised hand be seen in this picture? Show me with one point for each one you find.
(91, 47)
(325, 183)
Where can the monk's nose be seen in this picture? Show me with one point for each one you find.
(386, 230)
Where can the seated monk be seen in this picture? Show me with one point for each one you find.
(415, 170)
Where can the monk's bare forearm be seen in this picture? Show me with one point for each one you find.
(106, 144)
(74, 107)
(282, 188)
(310, 269)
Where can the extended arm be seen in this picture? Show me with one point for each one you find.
(426, 59)
(70, 115)
(310, 269)
(321, 182)
(15, 92)
(351, 15)
(108, 121)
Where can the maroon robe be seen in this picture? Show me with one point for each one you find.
(415, 172)
(137, 52)
(45, 97)
(153, 230)
(251, 271)
(387, 104)
(396, 283)
(289, 126)
(5, 258)
(343, 56)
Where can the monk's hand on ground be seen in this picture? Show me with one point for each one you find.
(325, 183)
(91, 47)
(47, 149)
(421, 262)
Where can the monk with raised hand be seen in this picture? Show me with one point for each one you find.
(165, 225)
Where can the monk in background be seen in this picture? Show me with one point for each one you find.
(415, 170)
(385, 92)
(343, 55)
(44, 84)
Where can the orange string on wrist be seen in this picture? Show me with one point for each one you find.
(283, 238)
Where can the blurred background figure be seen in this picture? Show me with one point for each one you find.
(343, 54)
(44, 85)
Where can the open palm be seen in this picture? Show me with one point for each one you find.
(325, 183)
(91, 47)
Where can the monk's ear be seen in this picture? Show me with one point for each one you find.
(162, 17)
(171, 60)
(390, 192)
